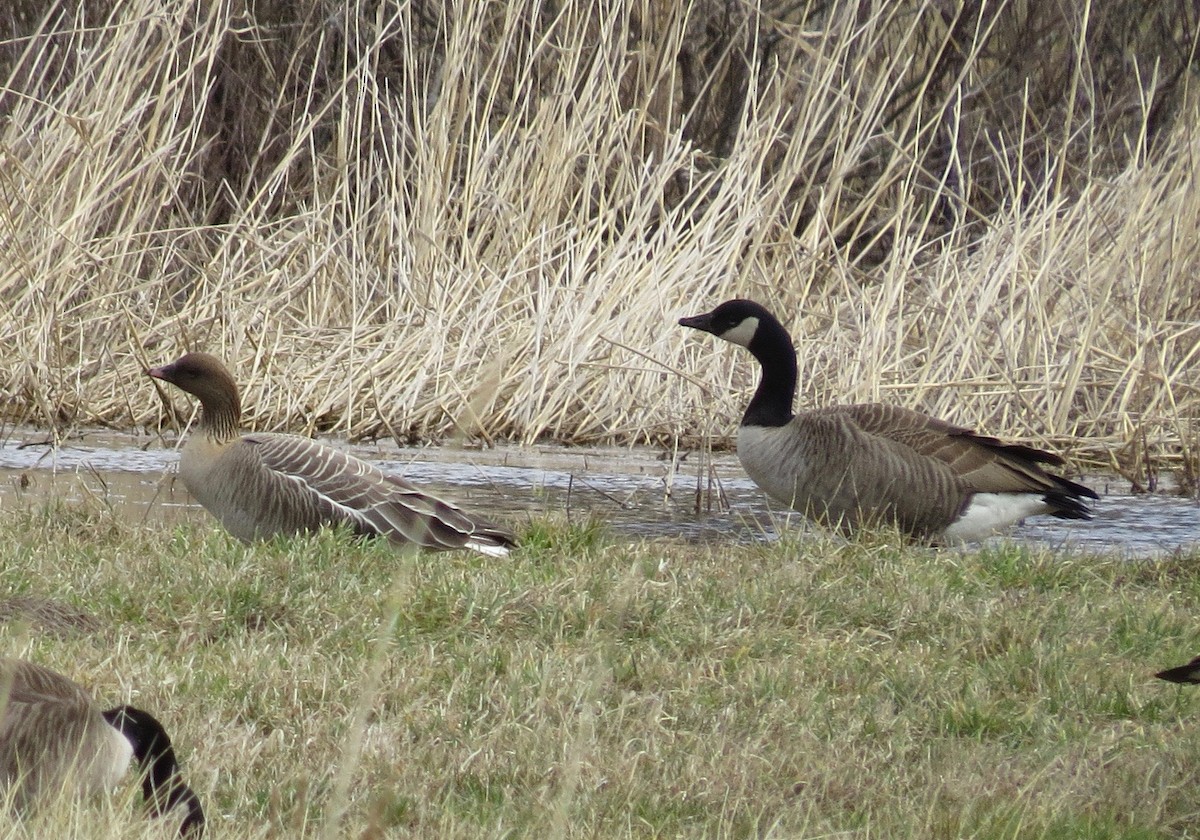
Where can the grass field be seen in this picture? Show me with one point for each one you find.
(589, 688)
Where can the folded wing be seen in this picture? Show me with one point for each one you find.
(306, 484)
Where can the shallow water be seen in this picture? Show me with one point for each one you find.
(637, 492)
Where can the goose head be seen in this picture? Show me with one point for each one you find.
(200, 374)
(749, 324)
(737, 321)
(162, 787)
(205, 377)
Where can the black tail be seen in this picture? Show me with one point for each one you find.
(1068, 499)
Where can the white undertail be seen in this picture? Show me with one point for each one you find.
(987, 513)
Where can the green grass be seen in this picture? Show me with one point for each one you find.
(586, 687)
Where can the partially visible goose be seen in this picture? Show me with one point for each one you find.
(1189, 673)
(48, 615)
(53, 737)
(848, 466)
(260, 485)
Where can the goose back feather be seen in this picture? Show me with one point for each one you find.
(260, 485)
(54, 738)
(49, 724)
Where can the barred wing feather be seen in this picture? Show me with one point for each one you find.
(312, 484)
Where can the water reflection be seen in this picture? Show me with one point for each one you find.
(638, 493)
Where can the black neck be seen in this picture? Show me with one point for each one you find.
(169, 791)
(772, 402)
(162, 787)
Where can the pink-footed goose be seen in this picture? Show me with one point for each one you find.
(53, 737)
(260, 485)
(854, 465)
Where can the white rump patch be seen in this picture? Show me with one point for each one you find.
(989, 512)
(487, 548)
(743, 333)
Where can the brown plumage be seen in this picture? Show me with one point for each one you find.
(260, 485)
(54, 738)
(855, 465)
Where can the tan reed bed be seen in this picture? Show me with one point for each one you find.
(490, 230)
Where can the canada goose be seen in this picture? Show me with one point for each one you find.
(846, 466)
(52, 735)
(1189, 673)
(259, 485)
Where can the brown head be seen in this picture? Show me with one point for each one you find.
(206, 378)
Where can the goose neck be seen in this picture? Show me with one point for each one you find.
(220, 419)
(772, 401)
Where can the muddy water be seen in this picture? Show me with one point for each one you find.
(638, 493)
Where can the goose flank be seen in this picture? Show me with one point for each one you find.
(53, 736)
(260, 485)
(856, 465)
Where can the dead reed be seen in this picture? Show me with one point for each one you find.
(482, 219)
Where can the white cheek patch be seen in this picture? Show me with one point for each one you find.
(111, 764)
(743, 333)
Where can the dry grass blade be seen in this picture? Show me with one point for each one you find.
(425, 222)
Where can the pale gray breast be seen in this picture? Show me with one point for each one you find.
(262, 485)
